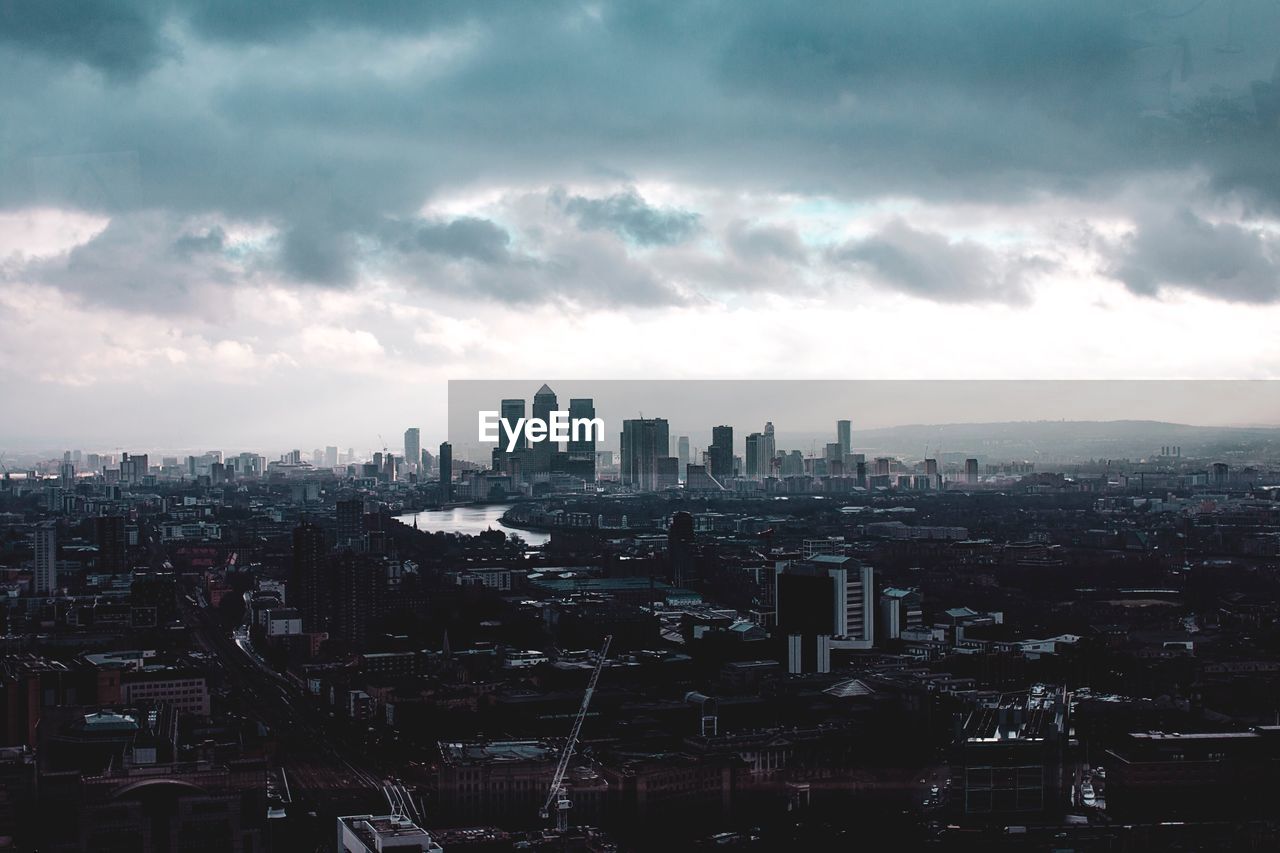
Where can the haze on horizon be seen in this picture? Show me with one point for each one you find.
(241, 225)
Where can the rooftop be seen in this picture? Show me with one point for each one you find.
(496, 752)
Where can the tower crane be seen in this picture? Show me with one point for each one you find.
(556, 793)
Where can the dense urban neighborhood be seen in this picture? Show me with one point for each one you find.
(567, 649)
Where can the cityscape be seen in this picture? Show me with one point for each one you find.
(566, 647)
(612, 426)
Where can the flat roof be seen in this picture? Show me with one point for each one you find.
(496, 752)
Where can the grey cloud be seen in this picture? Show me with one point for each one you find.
(212, 240)
(1182, 250)
(931, 266)
(761, 242)
(465, 237)
(629, 215)
(318, 255)
(144, 262)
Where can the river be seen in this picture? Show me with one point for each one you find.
(470, 520)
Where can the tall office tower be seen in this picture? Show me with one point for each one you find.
(844, 437)
(412, 447)
(308, 581)
(824, 603)
(832, 452)
(67, 476)
(644, 442)
(446, 471)
(682, 453)
(768, 451)
(793, 464)
(544, 403)
(582, 453)
(755, 470)
(350, 518)
(931, 468)
(428, 461)
(971, 471)
(512, 411)
(109, 536)
(330, 456)
(720, 455)
(46, 558)
(377, 462)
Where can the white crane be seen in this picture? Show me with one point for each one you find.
(556, 793)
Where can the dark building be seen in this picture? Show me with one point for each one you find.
(307, 587)
(1160, 776)
(109, 536)
(680, 548)
(356, 582)
(153, 599)
(446, 472)
(644, 441)
(720, 454)
(581, 461)
(1011, 762)
(350, 522)
(824, 603)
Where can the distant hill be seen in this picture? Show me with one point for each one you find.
(1067, 440)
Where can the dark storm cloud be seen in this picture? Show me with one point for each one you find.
(327, 119)
(120, 39)
(629, 215)
(465, 237)
(931, 266)
(1184, 251)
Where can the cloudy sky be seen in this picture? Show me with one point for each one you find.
(246, 224)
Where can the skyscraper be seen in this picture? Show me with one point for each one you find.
(644, 442)
(971, 472)
(446, 472)
(512, 411)
(331, 456)
(544, 403)
(582, 453)
(46, 558)
(720, 455)
(844, 437)
(682, 453)
(768, 450)
(754, 440)
(412, 448)
(308, 589)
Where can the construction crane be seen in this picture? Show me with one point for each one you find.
(556, 793)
